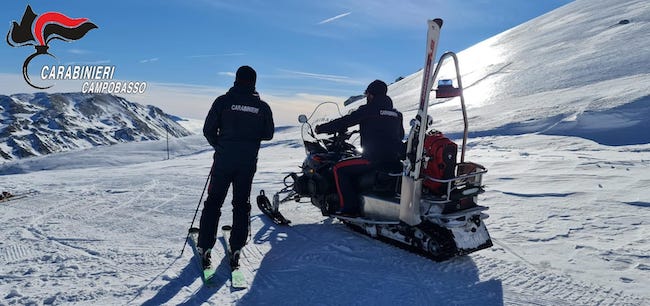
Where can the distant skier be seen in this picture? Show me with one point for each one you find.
(236, 124)
(381, 129)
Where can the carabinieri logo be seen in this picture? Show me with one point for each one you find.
(38, 31)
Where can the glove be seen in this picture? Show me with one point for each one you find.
(325, 129)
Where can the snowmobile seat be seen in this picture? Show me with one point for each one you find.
(383, 181)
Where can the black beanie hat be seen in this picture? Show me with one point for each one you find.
(245, 76)
(377, 88)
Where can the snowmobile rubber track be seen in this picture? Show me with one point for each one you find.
(442, 237)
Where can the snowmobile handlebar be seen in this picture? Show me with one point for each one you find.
(338, 141)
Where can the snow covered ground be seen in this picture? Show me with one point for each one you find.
(568, 219)
(562, 130)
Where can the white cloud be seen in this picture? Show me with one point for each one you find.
(328, 20)
(320, 76)
(184, 100)
(391, 14)
(14, 83)
(149, 60)
(78, 51)
(216, 55)
(93, 63)
(192, 101)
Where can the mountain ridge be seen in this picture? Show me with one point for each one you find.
(42, 123)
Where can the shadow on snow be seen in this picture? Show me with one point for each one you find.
(330, 264)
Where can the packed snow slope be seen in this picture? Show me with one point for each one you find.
(567, 187)
(581, 70)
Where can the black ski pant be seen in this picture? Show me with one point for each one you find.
(241, 178)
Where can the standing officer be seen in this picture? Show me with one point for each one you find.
(236, 124)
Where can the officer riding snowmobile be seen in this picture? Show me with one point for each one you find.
(429, 202)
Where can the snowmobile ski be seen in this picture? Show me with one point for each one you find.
(270, 210)
(237, 279)
(206, 274)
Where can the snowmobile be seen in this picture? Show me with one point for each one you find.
(450, 220)
(414, 203)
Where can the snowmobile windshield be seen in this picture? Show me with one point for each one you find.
(324, 112)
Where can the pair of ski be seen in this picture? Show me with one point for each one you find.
(237, 279)
(11, 197)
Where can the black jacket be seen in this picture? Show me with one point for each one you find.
(380, 126)
(236, 124)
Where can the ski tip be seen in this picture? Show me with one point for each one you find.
(438, 21)
(237, 279)
(263, 200)
(226, 228)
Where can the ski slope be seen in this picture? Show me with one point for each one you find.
(111, 234)
(560, 129)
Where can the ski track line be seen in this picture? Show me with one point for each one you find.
(79, 250)
(111, 267)
(155, 208)
(35, 227)
(530, 283)
(548, 286)
(512, 252)
(15, 252)
(36, 224)
(548, 289)
(70, 201)
(50, 210)
(146, 190)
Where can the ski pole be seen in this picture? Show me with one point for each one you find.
(197, 208)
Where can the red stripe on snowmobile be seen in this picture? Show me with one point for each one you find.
(342, 164)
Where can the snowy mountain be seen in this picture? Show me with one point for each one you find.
(557, 110)
(576, 71)
(38, 124)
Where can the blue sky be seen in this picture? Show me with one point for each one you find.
(309, 49)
